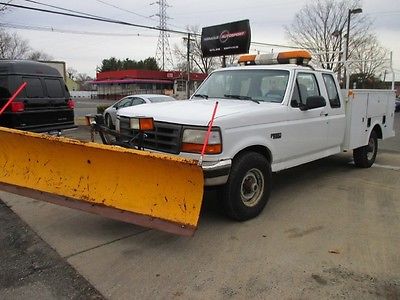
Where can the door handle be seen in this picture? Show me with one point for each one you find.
(323, 113)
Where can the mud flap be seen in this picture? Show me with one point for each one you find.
(153, 190)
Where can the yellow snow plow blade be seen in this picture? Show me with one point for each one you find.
(152, 190)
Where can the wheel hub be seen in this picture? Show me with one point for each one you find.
(252, 187)
(371, 149)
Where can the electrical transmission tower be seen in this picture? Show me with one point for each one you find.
(163, 52)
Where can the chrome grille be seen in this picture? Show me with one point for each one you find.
(166, 137)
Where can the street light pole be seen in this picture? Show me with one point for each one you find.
(188, 67)
(338, 34)
(351, 11)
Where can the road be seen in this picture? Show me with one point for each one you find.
(85, 106)
(330, 230)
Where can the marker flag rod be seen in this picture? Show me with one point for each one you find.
(210, 124)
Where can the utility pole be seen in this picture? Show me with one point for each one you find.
(163, 52)
(189, 40)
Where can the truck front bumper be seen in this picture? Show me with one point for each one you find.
(216, 173)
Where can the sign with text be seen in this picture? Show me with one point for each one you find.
(226, 39)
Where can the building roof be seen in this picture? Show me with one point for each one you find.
(130, 81)
(144, 76)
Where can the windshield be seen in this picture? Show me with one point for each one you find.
(259, 85)
(160, 99)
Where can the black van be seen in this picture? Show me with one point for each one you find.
(43, 106)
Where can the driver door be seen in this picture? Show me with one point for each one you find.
(306, 131)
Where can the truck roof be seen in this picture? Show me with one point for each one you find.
(288, 67)
(27, 67)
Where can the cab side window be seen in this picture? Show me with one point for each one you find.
(306, 86)
(332, 90)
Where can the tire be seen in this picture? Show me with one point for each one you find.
(248, 188)
(364, 157)
(109, 122)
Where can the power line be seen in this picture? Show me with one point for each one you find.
(126, 10)
(107, 20)
(134, 13)
(393, 12)
(91, 15)
(4, 6)
(61, 8)
(52, 29)
(94, 18)
(281, 46)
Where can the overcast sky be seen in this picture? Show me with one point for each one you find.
(84, 52)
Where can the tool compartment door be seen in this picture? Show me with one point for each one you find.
(364, 109)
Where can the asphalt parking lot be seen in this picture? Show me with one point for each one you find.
(330, 230)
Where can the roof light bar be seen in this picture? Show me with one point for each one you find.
(299, 57)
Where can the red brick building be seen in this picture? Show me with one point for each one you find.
(116, 84)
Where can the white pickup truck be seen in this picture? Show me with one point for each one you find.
(275, 112)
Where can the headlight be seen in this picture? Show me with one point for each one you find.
(141, 123)
(193, 140)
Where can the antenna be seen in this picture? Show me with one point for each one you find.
(163, 52)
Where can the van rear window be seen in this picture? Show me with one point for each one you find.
(34, 87)
(4, 92)
(54, 88)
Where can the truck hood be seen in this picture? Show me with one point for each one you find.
(193, 112)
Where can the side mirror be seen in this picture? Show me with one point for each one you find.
(313, 102)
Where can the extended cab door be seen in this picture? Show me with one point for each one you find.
(336, 114)
(307, 130)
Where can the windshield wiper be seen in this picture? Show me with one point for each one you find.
(204, 96)
(240, 97)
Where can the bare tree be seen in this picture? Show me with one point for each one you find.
(83, 81)
(38, 55)
(71, 72)
(229, 60)
(369, 57)
(13, 46)
(4, 8)
(320, 26)
(200, 63)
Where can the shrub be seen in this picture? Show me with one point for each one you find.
(101, 108)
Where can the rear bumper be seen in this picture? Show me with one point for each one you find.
(48, 127)
(46, 120)
(216, 173)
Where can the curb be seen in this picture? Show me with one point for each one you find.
(80, 121)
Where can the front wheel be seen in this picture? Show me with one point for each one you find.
(248, 188)
(109, 122)
(364, 157)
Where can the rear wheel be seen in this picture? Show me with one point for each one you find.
(364, 157)
(248, 188)
(109, 122)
